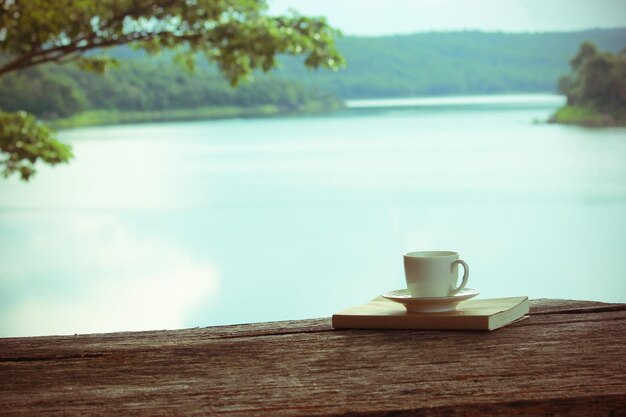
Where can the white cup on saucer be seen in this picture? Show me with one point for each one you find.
(434, 273)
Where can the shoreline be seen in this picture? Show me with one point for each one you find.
(116, 117)
(566, 114)
(587, 117)
(519, 99)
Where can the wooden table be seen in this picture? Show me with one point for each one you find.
(568, 359)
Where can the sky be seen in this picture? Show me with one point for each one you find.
(387, 17)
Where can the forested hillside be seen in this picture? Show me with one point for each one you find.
(442, 63)
(437, 63)
(143, 84)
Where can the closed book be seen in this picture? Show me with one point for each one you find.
(381, 313)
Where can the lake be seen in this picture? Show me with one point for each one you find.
(156, 226)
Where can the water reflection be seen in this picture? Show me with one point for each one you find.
(86, 272)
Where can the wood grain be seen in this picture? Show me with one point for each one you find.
(568, 359)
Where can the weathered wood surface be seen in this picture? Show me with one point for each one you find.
(567, 359)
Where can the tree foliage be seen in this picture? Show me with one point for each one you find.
(597, 80)
(233, 33)
(237, 35)
(24, 141)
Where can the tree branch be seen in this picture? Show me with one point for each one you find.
(58, 53)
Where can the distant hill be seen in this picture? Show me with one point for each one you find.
(423, 64)
(446, 63)
(143, 84)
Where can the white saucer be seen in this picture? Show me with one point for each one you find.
(429, 304)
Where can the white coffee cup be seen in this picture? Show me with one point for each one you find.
(433, 273)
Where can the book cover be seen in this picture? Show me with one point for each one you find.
(381, 313)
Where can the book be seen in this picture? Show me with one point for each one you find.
(381, 313)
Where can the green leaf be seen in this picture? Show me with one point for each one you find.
(97, 64)
(24, 141)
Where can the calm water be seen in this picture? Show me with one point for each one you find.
(193, 224)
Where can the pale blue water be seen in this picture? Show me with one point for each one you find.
(193, 224)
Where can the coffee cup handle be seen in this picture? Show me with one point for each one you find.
(465, 276)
